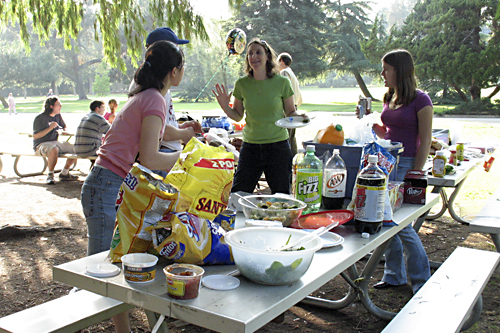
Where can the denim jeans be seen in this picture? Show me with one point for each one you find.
(274, 159)
(409, 241)
(99, 193)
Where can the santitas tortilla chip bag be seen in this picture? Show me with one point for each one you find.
(204, 176)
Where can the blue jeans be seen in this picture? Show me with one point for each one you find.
(274, 159)
(99, 194)
(408, 240)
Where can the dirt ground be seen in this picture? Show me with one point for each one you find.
(42, 226)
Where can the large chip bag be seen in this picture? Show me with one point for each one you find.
(203, 175)
(187, 238)
(142, 201)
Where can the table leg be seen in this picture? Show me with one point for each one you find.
(16, 161)
(153, 318)
(444, 204)
(341, 303)
(496, 241)
(452, 199)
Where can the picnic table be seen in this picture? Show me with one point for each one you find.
(455, 181)
(251, 306)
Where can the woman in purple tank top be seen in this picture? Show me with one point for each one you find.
(406, 117)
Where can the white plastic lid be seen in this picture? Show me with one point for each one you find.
(220, 282)
(440, 153)
(372, 158)
(102, 270)
(311, 148)
(336, 151)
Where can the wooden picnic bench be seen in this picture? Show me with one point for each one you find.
(450, 301)
(488, 221)
(67, 314)
(18, 155)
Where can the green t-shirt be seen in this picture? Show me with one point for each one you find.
(263, 103)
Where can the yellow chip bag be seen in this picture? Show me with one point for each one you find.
(204, 176)
(142, 201)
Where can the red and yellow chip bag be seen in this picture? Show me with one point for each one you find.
(203, 175)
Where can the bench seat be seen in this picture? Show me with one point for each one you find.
(487, 220)
(68, 314)
(447, 302)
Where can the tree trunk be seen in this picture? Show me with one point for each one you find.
(462, 95)
(80, 88)
(475, 92)
(53, 86)
(362, 85)
(4, 102)
(494, 92)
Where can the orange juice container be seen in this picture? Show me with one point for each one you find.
(439, 164)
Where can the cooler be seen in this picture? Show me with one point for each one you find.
(352, 159)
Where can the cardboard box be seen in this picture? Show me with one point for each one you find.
(415, 187)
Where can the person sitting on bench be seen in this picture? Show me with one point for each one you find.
(92, 127)
(46, 128)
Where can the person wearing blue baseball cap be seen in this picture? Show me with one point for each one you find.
(164, 34)
(175, 134)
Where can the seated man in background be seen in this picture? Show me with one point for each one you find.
(92, 127)
(46, 128)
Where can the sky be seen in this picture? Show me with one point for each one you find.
(218, 9)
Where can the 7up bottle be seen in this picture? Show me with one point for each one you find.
(309, 181)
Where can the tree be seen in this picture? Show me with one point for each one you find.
(454, 42)
(66, 16)
(350, 26)
(294, 26)
(101, 81)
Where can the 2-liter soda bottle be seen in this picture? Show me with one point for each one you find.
(309, 181)
(371, 185)
(334, 182)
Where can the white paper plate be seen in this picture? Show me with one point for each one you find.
(330, 239)
(102, 270)
(292, 122)
(220, 282)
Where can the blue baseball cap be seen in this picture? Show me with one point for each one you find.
(164, 34)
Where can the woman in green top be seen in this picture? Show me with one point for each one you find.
(262, 97)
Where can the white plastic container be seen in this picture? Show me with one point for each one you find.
(139, 267)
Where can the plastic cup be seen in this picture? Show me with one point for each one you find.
(183, 280)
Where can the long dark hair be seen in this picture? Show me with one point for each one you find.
(49, 101)
(406, 83)
(271, 63)
(161, 58)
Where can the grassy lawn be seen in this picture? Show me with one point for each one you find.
(315, 99)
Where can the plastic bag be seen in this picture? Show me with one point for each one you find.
(362, 132)
(385, 162)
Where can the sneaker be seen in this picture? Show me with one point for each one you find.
(50, 180)
(67, 177)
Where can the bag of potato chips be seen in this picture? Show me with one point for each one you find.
(203, 175)
(177, 215)
(186, 238)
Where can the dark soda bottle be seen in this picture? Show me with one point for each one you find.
(334, 182)
(371, 185)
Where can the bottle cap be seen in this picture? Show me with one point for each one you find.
(372, 158)
(365, 235)
(440, 153)
(311, 148)
(336, 151)
(301, 150)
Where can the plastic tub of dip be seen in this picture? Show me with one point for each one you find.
(183, 280)
(139, 267)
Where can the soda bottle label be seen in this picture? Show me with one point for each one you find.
(334, 183)
(309, 186)
(369, 206)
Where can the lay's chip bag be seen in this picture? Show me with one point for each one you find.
(187, 238)
(142, 201)
(203, 175)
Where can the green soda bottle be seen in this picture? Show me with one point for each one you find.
(309, 181)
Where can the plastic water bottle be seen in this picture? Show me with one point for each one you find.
(296, 159)
(371, 185)
(334, 182)
(309, 181)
